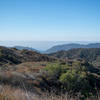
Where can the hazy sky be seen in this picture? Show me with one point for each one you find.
(50, 20)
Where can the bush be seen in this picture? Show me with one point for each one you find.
(54, 70)
(76, 82)
(73, 79)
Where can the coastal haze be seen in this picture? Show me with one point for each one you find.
(42, 45)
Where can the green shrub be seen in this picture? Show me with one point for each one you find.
(74, 79)
(54, 70)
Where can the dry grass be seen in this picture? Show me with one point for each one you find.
(9, 93)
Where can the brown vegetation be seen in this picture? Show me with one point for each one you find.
(9, 93)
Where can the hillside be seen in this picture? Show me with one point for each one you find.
(38, 74)
(14, 56)
(39, 78)
(89, 54)
(71, 46)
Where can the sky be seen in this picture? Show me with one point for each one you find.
(49, 20)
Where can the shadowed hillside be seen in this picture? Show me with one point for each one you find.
(15, 56)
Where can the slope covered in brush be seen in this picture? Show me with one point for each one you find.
(14, 56)
(89, 54)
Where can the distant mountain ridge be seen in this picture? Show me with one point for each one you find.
(71, 46)
(22, 48)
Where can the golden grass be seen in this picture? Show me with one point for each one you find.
(9, 93)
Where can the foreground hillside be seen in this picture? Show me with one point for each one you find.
(28, 75)
(50, 81)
